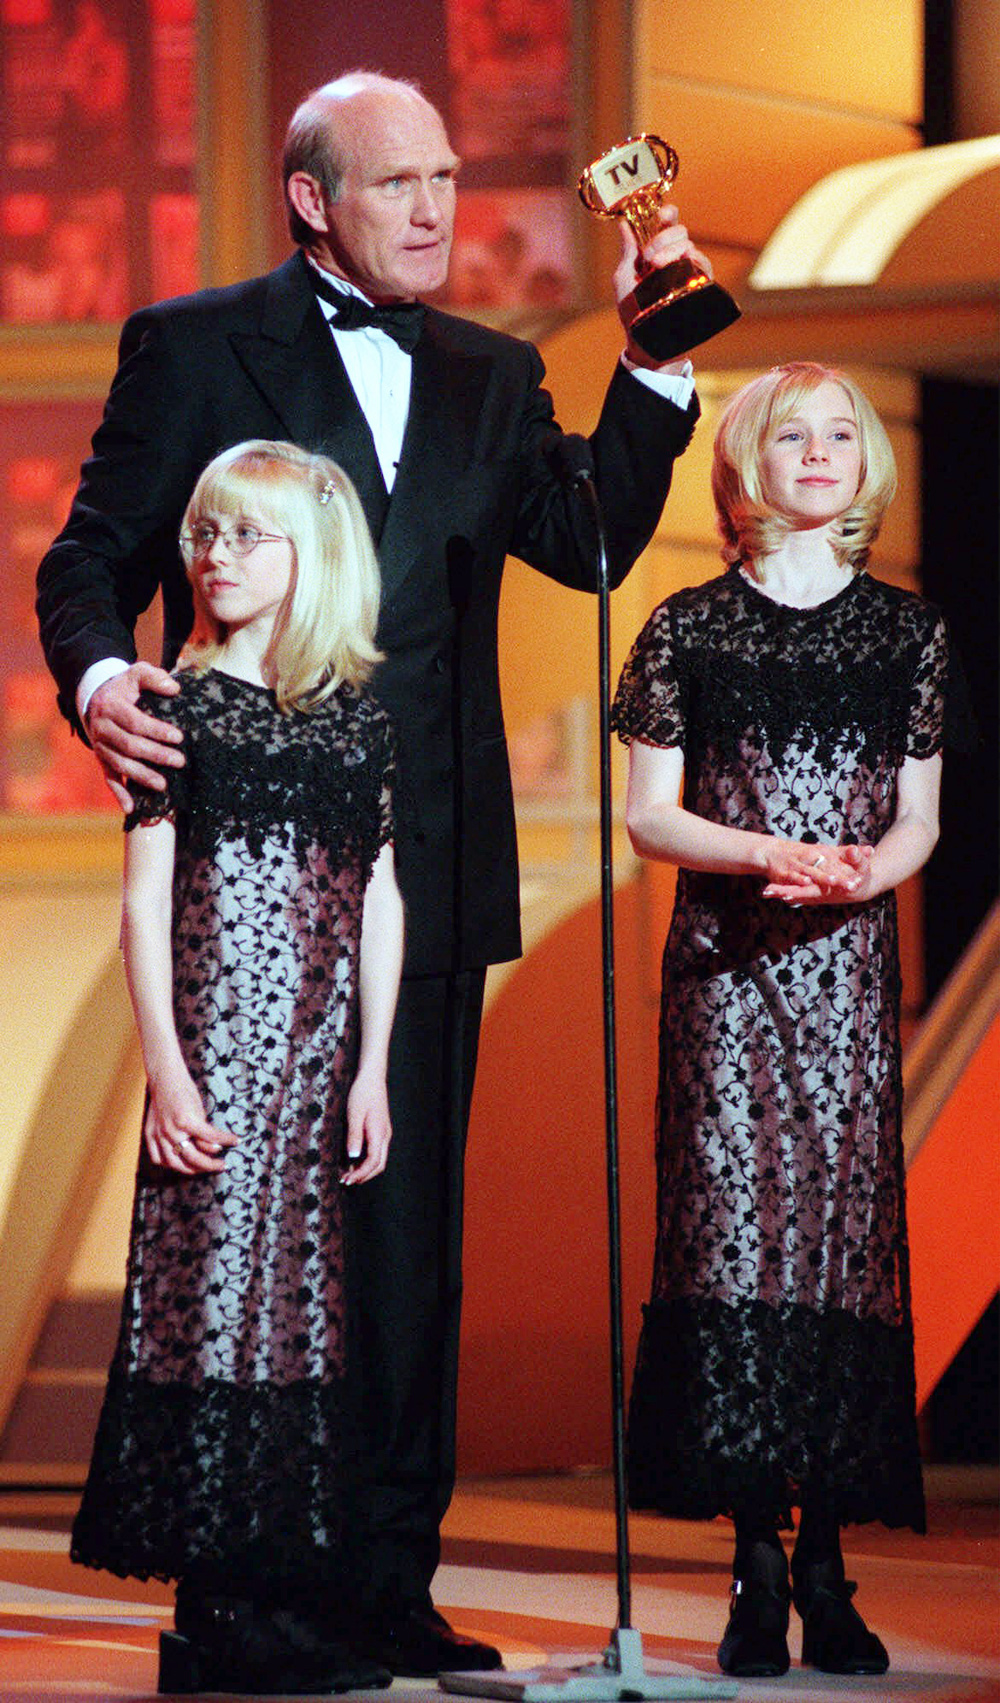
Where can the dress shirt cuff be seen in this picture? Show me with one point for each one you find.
(675, 387)
(107, 669)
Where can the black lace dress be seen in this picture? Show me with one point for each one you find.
(776, 1357)
(226, 1436)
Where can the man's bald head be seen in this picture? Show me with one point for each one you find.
(326, 129)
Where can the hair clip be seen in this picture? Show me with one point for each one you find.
(327, 491)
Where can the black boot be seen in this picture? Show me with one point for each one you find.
(225, 1643)
(835, 1639)
(755, 1642)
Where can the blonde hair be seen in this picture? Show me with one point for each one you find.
(750, 527)
(324, 631)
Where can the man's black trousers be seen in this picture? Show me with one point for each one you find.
(405, 1266)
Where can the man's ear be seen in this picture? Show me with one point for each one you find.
(307, 198)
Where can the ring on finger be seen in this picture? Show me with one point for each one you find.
(818, 862)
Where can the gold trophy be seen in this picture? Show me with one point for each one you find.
(678, 305)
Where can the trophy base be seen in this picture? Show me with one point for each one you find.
(672, 322)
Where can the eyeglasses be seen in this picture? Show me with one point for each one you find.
(240, 540)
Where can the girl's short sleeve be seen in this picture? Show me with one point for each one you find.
(939, 710)
(649, 702)
(148, 805)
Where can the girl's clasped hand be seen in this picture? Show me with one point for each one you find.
(801, 874)
(177, 1134)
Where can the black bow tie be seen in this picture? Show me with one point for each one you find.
(403, 321)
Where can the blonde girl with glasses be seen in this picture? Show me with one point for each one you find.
(262, 936)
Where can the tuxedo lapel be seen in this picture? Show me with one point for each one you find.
(447, 392)
(294, 363)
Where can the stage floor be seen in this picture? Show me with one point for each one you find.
(529, 1564)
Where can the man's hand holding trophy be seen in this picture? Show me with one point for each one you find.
(677, 305)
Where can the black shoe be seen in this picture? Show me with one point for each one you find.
(229, 1644)
(755, 1642)
(419, 1643)
(835, 1639)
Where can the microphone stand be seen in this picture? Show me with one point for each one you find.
(621, 1674)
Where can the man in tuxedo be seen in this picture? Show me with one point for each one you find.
(448, 435)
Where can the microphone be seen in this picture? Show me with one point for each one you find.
(573, 460)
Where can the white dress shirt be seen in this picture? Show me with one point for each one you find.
(380, 373)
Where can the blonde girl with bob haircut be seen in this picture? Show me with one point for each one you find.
(262, 932)
(785, 724)
(324, 632)
(751, 528)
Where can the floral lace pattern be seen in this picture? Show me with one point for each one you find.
(226, 1424)
(776, 1356)
(717, 1421)
(256, 1482)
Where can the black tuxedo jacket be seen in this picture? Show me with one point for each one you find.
(475, 482)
